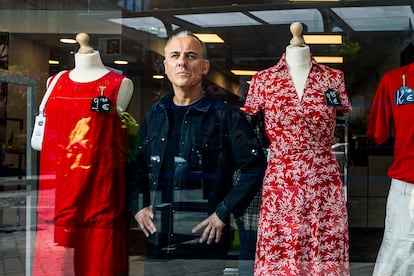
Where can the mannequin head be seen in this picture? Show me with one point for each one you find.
(83, 40)
(296, 29)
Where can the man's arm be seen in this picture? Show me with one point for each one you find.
(250, 161)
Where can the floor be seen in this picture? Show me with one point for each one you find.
(363, 249)
(15, 237)
(12, 258)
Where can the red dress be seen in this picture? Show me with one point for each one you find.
(303, 226)
(81, 206)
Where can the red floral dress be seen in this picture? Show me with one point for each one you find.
(81, 202)
(303, 227)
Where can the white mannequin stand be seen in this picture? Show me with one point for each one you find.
(89, 67)
(298, 59)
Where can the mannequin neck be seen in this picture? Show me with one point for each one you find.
(298, 56)
(298, 61)
(88, 67)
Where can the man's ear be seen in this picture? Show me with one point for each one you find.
(206, 67)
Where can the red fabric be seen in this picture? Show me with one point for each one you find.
(303, 228)
(82, 178)
(387, 117)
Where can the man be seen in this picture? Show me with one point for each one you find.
(190, 145)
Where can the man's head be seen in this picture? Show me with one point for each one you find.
(185, 60)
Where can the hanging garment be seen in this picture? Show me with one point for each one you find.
(82, 181)
(303, 227)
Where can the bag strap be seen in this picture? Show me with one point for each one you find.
(49, 91)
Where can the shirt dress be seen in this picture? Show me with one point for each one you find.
(303, 226)
(81, 207)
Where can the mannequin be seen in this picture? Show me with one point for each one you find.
(303, 203)
(391, 116)
(89, 67)
(81, 208)
(298, 58)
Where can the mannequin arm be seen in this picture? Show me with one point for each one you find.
(125, 94)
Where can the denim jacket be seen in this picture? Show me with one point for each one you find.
(216, 139)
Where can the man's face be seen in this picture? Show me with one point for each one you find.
(184, 63)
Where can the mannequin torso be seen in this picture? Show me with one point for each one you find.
(89, 67)
(298, 61)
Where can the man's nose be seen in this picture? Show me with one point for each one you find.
(181, 60)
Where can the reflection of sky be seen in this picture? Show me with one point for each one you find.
(148, 24)
(376, 18)
(309, 17)
(389, 18)
(222, 19)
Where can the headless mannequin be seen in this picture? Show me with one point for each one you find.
(298, 58)
(89, 67)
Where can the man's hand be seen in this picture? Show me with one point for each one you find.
(144, 218)
(213, 229)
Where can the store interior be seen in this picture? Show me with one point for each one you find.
(374, 37)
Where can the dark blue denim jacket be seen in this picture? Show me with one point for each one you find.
(216, 139)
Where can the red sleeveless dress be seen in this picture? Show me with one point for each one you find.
(81, 202)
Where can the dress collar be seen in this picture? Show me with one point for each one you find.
(283, 65)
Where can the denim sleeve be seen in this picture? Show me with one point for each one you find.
(249, 159)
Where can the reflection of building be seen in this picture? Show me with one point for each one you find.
(254, 35)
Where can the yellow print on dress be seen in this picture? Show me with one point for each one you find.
(78, 142)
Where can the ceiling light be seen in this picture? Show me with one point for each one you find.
(329, 59)
(323, 39)
(121, 62)
(68, 40)
(244, 72)
(158, 77)
(53, 62)
(210, 38)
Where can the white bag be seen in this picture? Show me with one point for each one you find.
(38, 130)
(40, 120)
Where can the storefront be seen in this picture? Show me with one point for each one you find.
(363, 38)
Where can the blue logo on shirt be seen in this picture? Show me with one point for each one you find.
(404, 95)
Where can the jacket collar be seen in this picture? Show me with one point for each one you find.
(202, 105)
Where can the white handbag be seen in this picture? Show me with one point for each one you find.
(40, 120)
